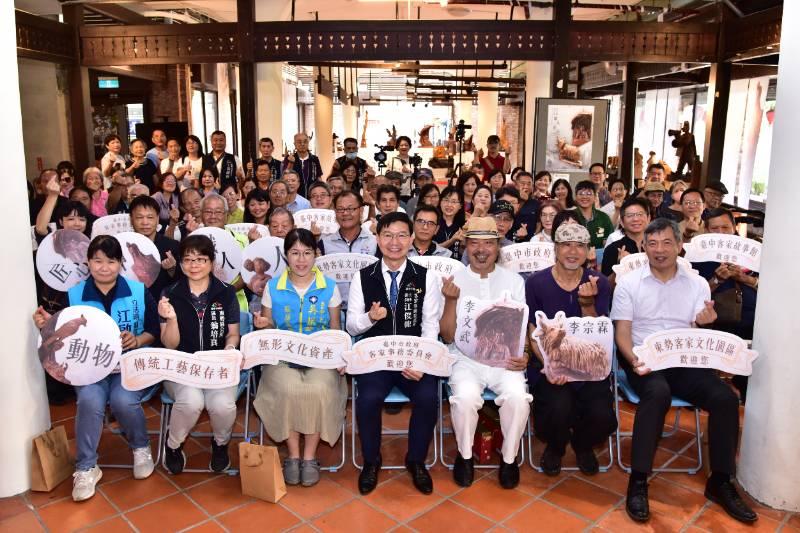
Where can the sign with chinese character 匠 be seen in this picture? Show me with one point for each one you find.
(111, 225)
(441, 266)
(324, 219)
(228, 258)
(140, 258)
(528, 256)
(696, 348)
(213, 369)
(322, 349)
(491, 331)
(722, 248)
(80, 345)
(243, 228)
(632, 262)
(399, 352)
(578, 348)
(262, 260)
(342, 267)
(61, 259)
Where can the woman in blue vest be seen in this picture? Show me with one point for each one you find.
(134, 310)
(293, 400)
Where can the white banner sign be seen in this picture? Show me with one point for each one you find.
(579, 348)
(632, 262)
(228, 258)
(324, 219)
(696, 348)
(342, 267)
(140, 258)
(262, 260)
(723, 248)
(528, 256)
(243, 228)
(61, 259)
(80, 345)
(491, 331)
(442, 266)
(322, 349)
(111, 225)
(214, 369)
(398, 352)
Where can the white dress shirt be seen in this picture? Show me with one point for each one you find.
(358, 320)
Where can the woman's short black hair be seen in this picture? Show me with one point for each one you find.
(561, 217)
(69, 208)
(301, 235)
(403, 138)
(108, 244)
(199, 244)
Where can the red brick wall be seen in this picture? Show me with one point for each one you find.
(171, 98)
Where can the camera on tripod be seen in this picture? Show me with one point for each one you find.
(381, 156)
(461, 130)
(415, 160)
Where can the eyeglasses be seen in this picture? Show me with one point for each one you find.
(585, 193)
(200, 261)
(320, 196)
(635, 215)
(393, 236)
(346, 210)
(693, 203)
(425, 223)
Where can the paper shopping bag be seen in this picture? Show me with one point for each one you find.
(260, 471)
(50, 460)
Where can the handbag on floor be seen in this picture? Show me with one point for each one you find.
(260, 472)
(50, 460)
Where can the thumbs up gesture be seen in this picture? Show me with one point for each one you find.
(376, 312)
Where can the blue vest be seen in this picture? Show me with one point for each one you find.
(289, 311)
(127, 309)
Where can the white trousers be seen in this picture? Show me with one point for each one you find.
(467, 383)
(189, 403)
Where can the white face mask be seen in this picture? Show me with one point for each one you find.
(351, 155)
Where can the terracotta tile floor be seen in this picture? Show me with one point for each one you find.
(205, 502)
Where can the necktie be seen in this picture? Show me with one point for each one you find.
(393, 289)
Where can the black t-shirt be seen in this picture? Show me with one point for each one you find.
(35, 205)
(145, 172)
(611, 255)
(164, 245)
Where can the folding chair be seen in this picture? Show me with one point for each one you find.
(622, 384)
(395, 396)
(118, 431)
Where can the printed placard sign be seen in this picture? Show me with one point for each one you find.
(398, 352)
(262, 260)
(140, 258)
(491, 331)
(243, 228)
(214, 369)
(61, 259)
(324, 219)
(722, 248)
(578, 348)
(342, 267)
(632, 262)
(441, 266)
(111, 225)
(528, 256)
(696, 348)
(80, 345)
(228, 258)
(322, 349)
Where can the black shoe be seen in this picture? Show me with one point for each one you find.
(587, 462)
(220, 461)
(174, 460)
(727, 496)
(368, 478)
(464, 471)
(392, 408)
(508, 474)
(420, 476)
(636, 504)
(550, 462)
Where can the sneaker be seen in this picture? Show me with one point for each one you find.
(143, 464)
(174, 460)
(309, 472)
(291, 470)
(220, 461)
(83, 483)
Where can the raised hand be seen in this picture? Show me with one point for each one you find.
(588, 289)
(191, 223)
(40, 316)
(622, 253)
(707, 315)
(522, 232)
(165, 309)
(53, 186)
(449, 289)
(174, 215)
(169, 263)
(376, 312)
(253, 234)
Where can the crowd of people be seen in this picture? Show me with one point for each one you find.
(174, 188)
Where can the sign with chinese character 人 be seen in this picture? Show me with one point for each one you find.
(228, 258)
(722, 248)
(80, 345)
(324, 219)
(243, 228)
(491, 331)
(342, 267)
(696, 348)
(214, 369)
(528, 256)
(140, 258)
(111, 225)
(61, 259)
(632, 262)
(262, 260)
(441, 266)
(579, 348)
(399, 352)
(322, 349)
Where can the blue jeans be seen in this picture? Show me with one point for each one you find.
(127, 408)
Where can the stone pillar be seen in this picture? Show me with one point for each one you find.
(769, 464)
(22, 393)
(537, 85)
(487, 117)
(323, 125)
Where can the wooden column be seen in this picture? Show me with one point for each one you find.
(629, 91)
(562, 15)
(719, 88)
(79, 99)
(245, 14)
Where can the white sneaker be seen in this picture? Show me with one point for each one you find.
(143, 464)
(84, 482)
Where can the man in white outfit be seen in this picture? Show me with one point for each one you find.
(483, 279)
